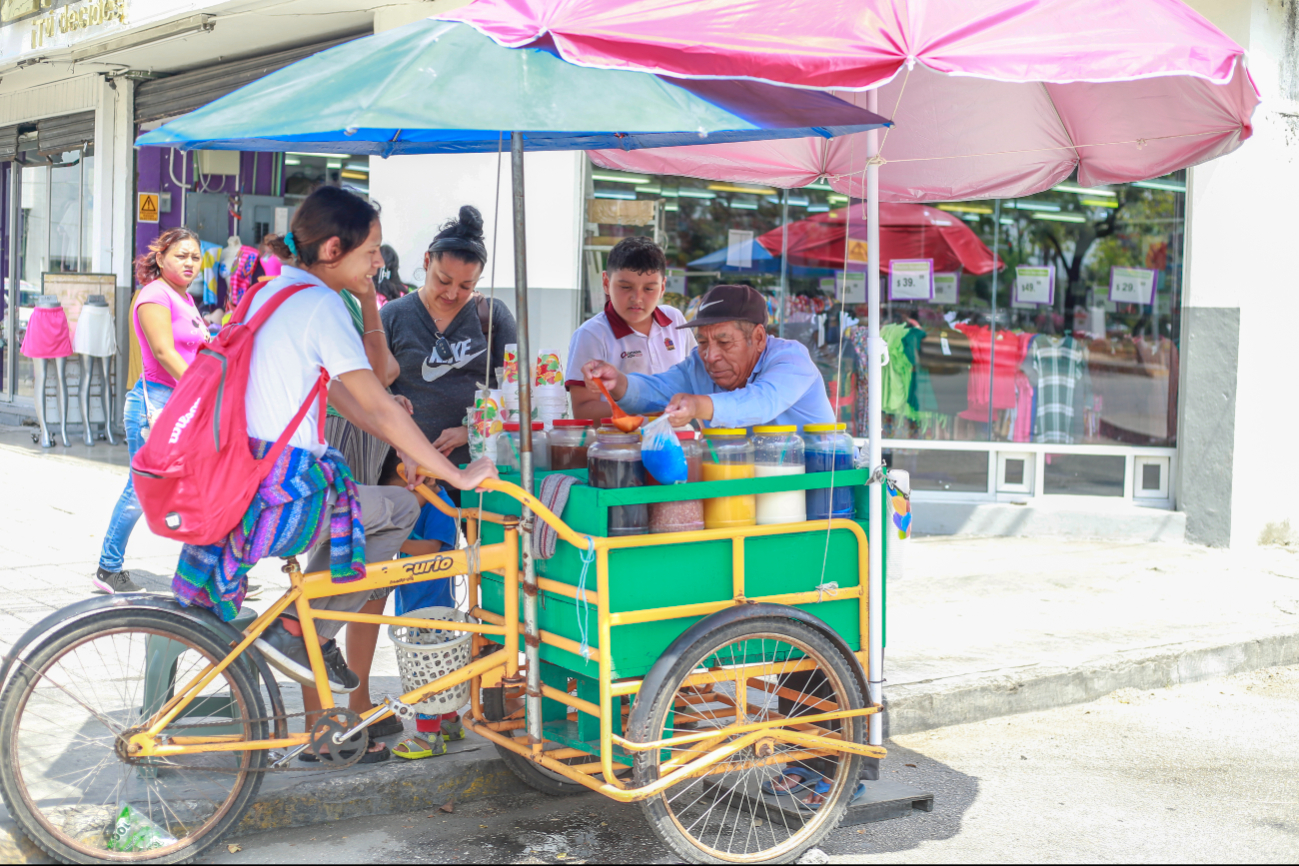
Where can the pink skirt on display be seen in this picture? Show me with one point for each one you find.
(47, 334)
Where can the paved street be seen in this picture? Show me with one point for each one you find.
(973, 625)
(1199, 773)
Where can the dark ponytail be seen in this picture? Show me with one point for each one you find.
(329, 212)
(462, 238)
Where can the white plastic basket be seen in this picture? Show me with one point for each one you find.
(424, 654)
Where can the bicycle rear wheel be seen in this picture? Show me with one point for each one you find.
(63, 719)
(752, 674)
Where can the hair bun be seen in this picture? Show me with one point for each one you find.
(471, 222)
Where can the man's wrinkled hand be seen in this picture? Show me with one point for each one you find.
(605, 373)
(684, 408)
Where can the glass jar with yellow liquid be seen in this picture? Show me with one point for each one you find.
(728, 455)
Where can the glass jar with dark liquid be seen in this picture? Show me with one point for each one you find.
(569, 441)
(612, 463)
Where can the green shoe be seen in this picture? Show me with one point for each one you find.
(453, 730)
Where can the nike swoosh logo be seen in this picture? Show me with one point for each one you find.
(432, 374)
(703, 307)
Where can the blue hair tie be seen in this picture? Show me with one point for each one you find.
(288, 242)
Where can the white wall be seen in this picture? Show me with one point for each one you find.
(1242, 233)
(418, 193)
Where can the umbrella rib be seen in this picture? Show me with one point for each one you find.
(1063, 127)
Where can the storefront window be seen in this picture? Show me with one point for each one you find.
(1073, 341)
(54, 224)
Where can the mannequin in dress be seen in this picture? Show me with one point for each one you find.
(95, 340)
(47, 339)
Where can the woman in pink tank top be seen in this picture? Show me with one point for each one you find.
(170, 331)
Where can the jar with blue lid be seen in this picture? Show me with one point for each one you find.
(828, 447)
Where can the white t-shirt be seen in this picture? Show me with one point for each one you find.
(310, 330)
(607, 337)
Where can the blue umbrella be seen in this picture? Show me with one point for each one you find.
(441, 87)
(763, 262)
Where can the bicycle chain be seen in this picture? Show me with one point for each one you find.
(336, 763)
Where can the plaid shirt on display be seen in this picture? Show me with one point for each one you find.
(1061, 364)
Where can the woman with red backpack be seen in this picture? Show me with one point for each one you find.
(171, 331)
(309, 493)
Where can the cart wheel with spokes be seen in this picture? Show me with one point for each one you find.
(740, 673)
(64, 715)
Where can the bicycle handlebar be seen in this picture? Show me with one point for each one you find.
(513, 490)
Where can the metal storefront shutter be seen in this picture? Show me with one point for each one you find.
(8, 143)
(179, 94)
(55, 135)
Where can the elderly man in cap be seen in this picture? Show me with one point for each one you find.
(738, 376)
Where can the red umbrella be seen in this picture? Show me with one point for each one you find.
(907, 231)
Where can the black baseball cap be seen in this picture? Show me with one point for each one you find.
(737, 303)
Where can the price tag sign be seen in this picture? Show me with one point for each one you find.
(946, 288)
(911, 280)
(850, 288)
(1132, 285)
(1035, 285)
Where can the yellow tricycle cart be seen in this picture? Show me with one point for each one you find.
(689, 672)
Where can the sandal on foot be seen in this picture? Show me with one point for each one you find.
(805, 782)
(453, 730)
(821, 788)
(411, 750)
(377, 757)
(386, 727)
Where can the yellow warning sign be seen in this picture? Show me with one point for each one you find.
(148, 207)
(858, 251)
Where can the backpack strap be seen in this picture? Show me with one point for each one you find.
(319, 393)
(269, 307)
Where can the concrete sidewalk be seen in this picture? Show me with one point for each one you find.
(977, 628)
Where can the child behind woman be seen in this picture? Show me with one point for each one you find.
(433, 532)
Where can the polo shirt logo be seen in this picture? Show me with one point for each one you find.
(634, 353)
(669, 345)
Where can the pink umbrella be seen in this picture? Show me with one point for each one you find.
(907, 231)
(991, 98)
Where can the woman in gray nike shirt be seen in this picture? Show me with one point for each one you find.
(438, 334)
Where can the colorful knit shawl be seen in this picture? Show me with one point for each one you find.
(284, 519)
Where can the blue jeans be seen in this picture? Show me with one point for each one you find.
(128, 511)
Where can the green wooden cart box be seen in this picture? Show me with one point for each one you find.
(679, 574)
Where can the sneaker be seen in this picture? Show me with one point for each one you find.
(288, 654)
(113, 582)
(340, 675)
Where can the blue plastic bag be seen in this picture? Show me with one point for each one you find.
(661, 452)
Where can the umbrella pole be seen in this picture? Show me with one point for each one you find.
(874, 406)
(531, 631)
(784, 261)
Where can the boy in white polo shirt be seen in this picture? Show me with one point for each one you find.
(633, 333)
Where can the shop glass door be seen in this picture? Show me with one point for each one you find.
(53, 225)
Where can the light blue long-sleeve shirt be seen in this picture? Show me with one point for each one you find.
(785, 387)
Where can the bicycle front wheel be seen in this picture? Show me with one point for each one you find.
(64, 717)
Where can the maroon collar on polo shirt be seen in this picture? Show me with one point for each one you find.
(620, 326)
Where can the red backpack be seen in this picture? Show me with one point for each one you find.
(196, 474)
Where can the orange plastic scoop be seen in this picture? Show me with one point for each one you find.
(624, 422)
